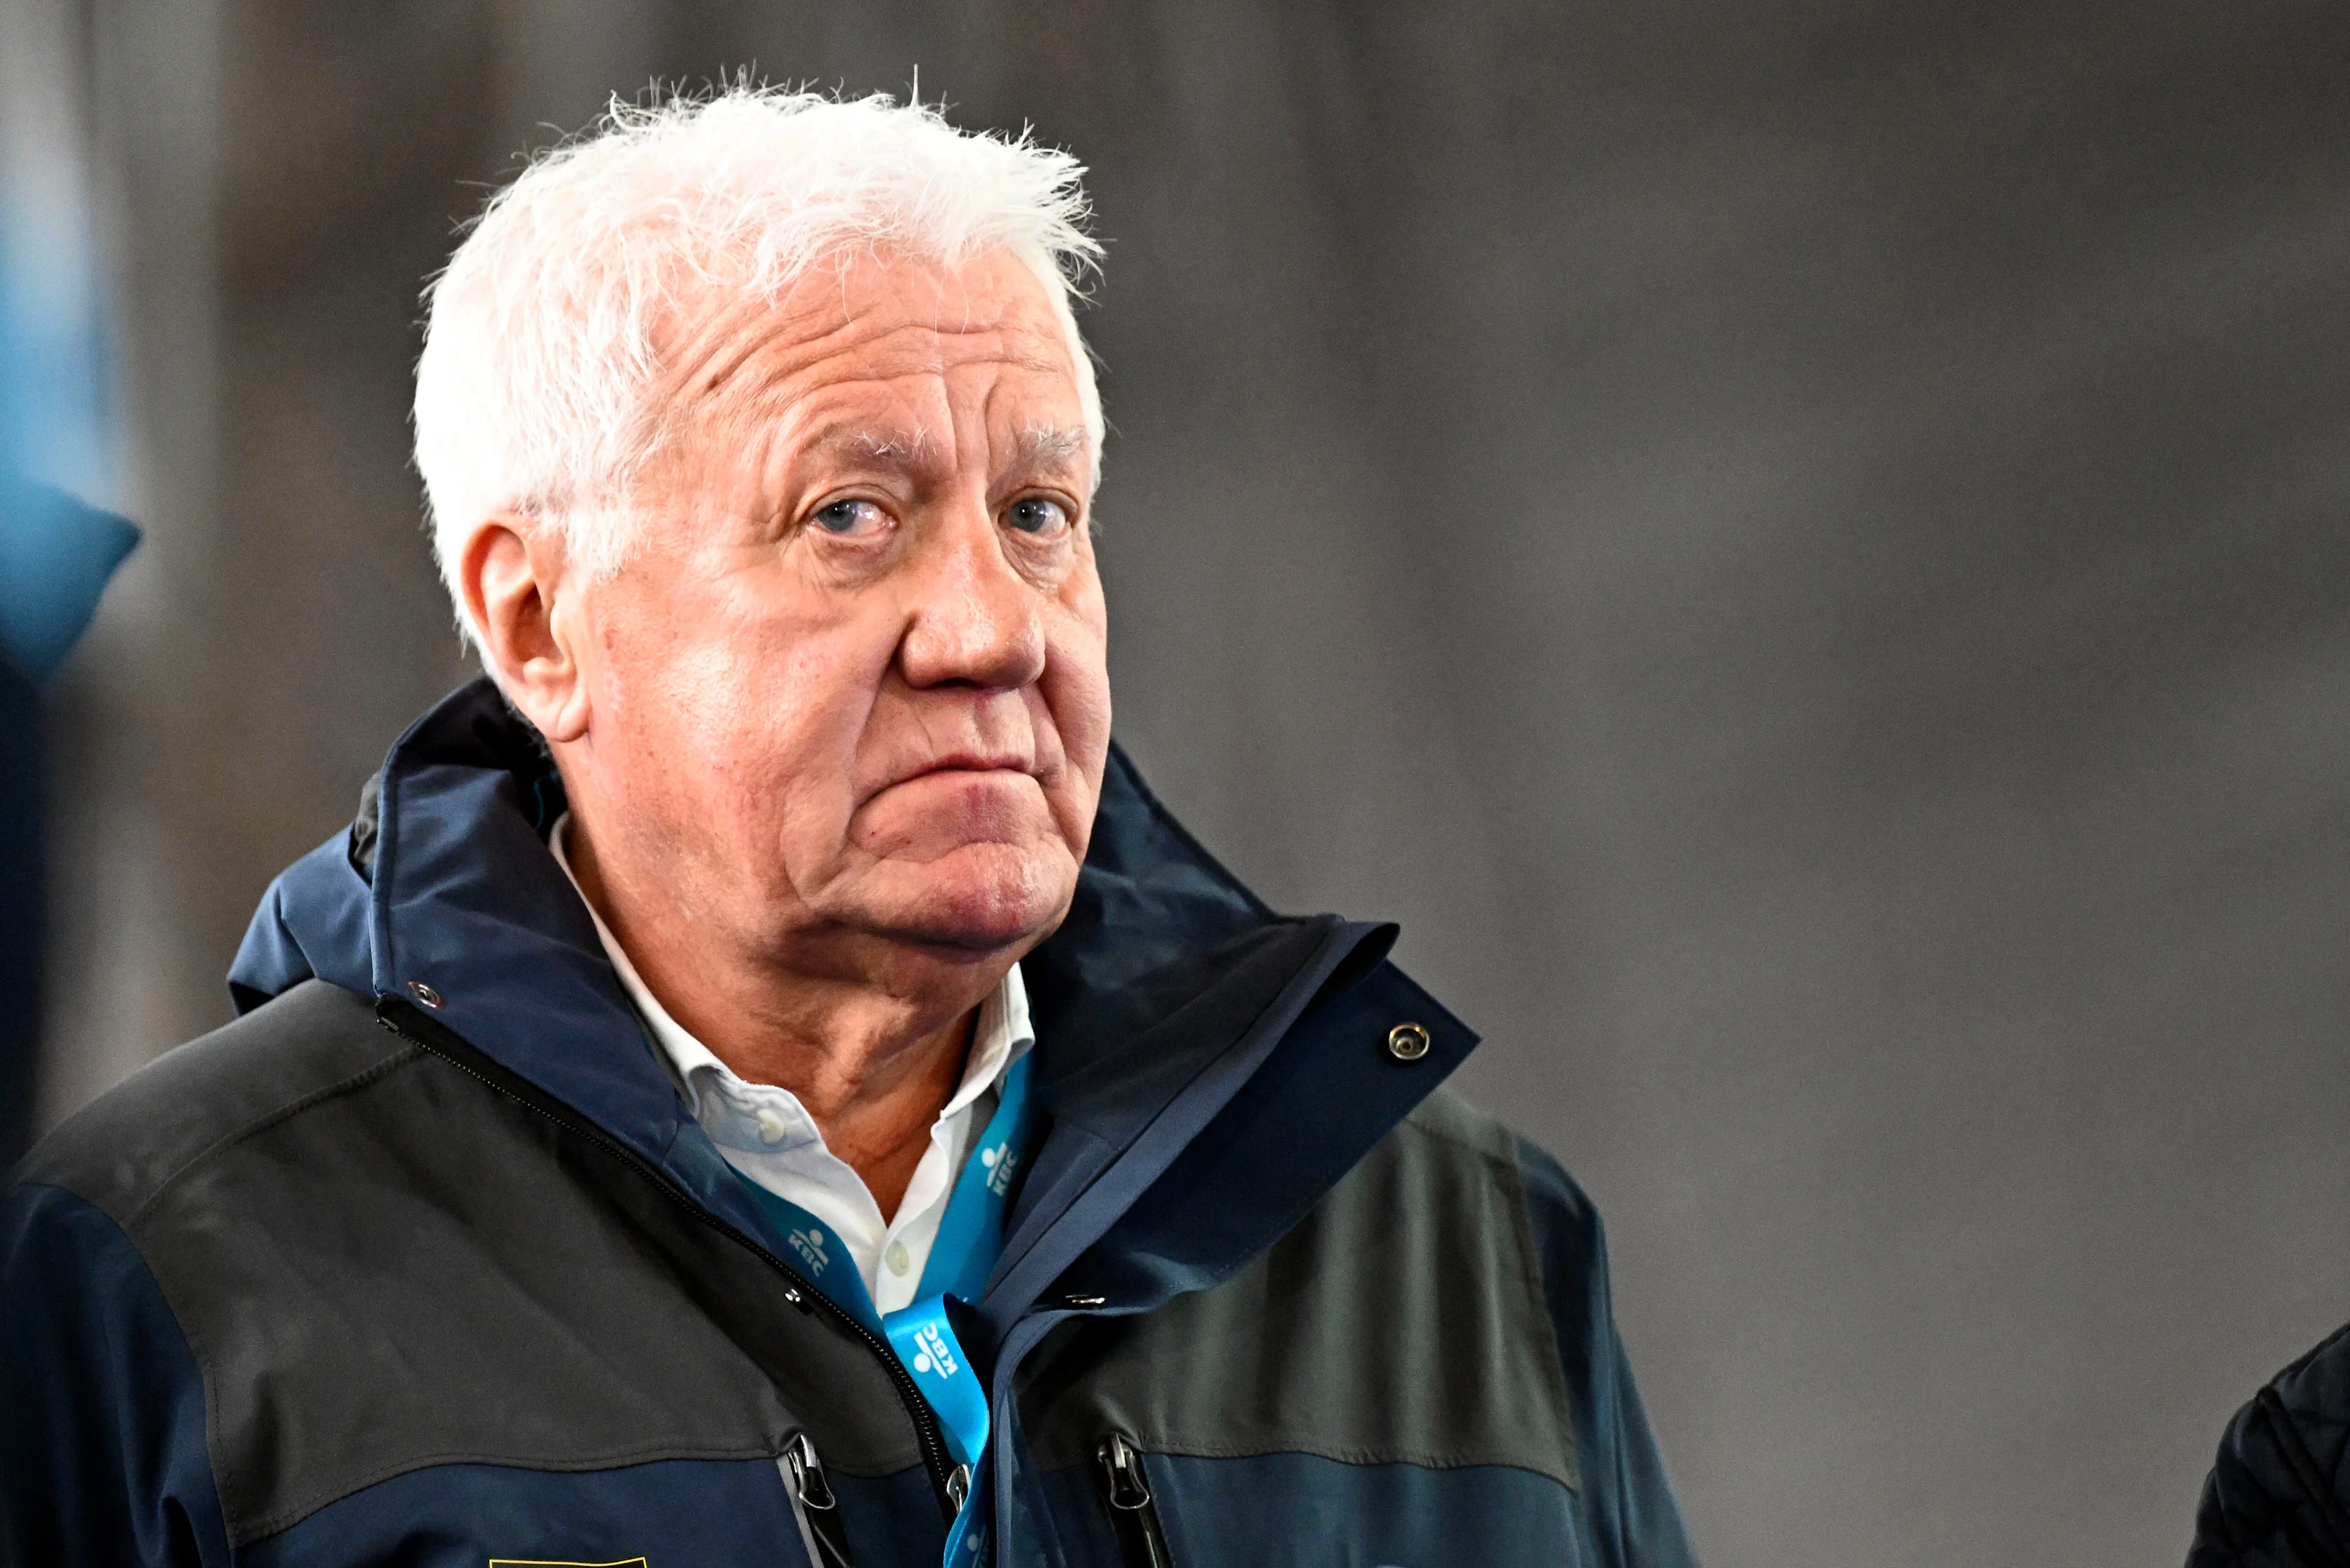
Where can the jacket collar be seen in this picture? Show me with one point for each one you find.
(1210, 1067)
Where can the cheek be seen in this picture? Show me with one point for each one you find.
(1075, 694)
(744, 716)
(1076, 698)
(680, 699)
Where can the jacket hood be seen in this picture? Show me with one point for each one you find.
(1210, 1067)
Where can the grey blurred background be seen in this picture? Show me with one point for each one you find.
(1799, 548)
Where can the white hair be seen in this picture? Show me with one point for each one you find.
(534, 395)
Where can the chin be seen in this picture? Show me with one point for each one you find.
(980, 900)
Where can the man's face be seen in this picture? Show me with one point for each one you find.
(852, 682)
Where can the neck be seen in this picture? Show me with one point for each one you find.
(873, 1061)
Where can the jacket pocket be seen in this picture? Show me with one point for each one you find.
(814, 1505)
(1133, 1517)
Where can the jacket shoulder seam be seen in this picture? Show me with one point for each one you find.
(1427, 1127)
(270, 1118)
(1532, 1279)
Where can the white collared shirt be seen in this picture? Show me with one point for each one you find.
(766, 1134)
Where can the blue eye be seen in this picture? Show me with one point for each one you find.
(849, 519)
(1038, 515)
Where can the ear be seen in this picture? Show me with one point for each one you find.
(523, 600)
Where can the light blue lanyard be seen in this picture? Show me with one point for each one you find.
(970, 1239)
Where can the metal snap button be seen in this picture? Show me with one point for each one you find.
(1406, 1042)
(424, 993)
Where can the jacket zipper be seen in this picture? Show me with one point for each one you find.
(412, 1026)
(814, 1505)
(1133, 1517)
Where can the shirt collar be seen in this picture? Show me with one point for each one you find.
(736, 1113)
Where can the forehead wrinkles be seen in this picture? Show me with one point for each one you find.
(748, 353)
(746, 381)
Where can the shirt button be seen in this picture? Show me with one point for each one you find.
(897, 1258)
(771, 1128)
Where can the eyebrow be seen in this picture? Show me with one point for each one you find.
(891, 449)
(1036, 446)
(1050, 446)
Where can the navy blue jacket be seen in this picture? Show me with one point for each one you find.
(2278, 1493)
(424, 1260)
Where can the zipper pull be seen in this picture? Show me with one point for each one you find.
(813, 1504)
(1133, 1517)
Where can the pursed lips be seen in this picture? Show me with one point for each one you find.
(967, 763)
(980, 766)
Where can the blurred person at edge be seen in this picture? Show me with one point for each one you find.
(762, 1080)
(2278, 1493)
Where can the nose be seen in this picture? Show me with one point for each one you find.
(975, 621)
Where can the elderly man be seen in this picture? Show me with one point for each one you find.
(762, 1081)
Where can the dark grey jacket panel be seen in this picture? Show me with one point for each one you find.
(122, 1150)
(1404, 1321)
(381, 1262)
